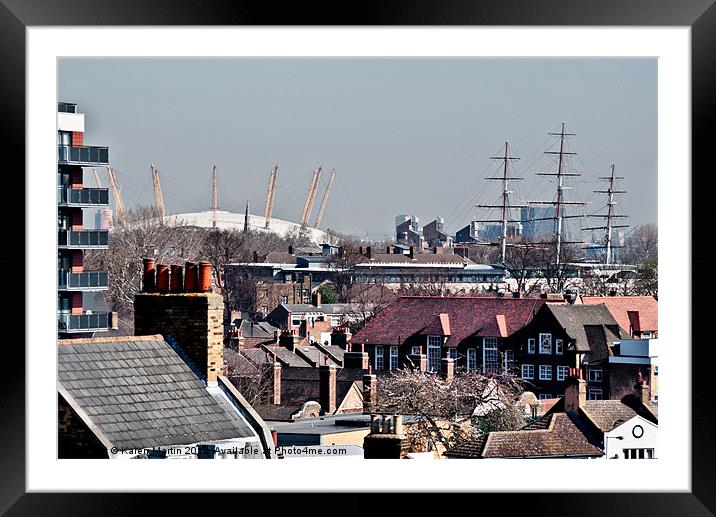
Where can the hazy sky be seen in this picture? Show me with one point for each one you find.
(405, 135)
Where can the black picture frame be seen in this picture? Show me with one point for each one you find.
(17, 15)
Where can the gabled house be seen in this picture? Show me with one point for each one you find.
(577, 428)
(637, 315)
(468, 332)
(563, 336)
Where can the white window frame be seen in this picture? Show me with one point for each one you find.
(471, 359)
(531, 346)
(559, 346)
(562, 372)
(508, 359)
(596, 370)
(378, 357)
(595, 391)
(543, 377)
(527, 368)
(541, 335)
(452, 353)
(434, 342)
(493, 347)
(415, 350)
(545, 396)
(393, 358)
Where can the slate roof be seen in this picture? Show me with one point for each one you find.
(280, 257)
(467, 316)
(239, 365)
(644, 309)
(283, 356)
(575, 318)
(554, 435)
(139, 393)
(605, 415)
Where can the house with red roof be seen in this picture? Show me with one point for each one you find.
(638, 315)
(464, 332)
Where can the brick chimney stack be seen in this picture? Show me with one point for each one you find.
(356, 360)
(420, 361)
(289, 339)
(340, 336)
(642, 390)
(447, 368)
(327, 388)
(411, 252)
(575, 392)
(386, 439)
(369, 251)
(192, 321)
(273, 372)
(370, 393)
(316, 299)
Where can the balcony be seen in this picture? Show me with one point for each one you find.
(66, 107)
(82, 196)
(83, 281)
(82, 155)
(94, 322)
(82, 239)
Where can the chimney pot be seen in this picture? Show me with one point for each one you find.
(176, 279)
(204, 277)
(191, 277)
(148, 275)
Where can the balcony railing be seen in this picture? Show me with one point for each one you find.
(83, 322)
(83, 281)
(82, 155)
(82, 238)
(66, 107)
(82, 196)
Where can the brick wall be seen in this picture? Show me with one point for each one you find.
(75, 440)
(193, 320)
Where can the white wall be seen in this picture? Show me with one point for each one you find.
(631, 439)
(71, 122)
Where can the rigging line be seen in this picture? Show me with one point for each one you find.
(468, 192)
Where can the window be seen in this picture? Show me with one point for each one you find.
(452, 353)
(490, 358)
(594, 394)
(415, 350)
(393, 365)
(264, 308)
(544, 396)
(531, 345)
(656, 370)
(545, 343)
(595, 374)
(434, 347)
(528, 371)
(296, 322)
(558, 346)
(545, 372)
(562, 372)
(284, 299)
(471, 359)
(378, 361)
(335, 320)
(638, 454)
(508, 360)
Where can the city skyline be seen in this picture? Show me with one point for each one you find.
(422, 129)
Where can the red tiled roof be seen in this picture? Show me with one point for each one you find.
(466, 316)
(645, 307)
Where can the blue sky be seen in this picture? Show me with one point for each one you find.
(405, 135)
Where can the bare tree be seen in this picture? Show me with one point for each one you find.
(451, 411)
(143, 235)
(642, 245)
